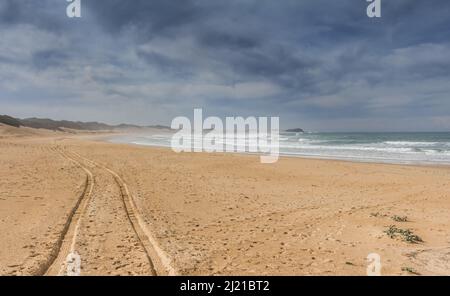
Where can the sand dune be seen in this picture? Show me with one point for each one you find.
(140, 210)
(9, 131)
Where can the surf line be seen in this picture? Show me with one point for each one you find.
(236, 135)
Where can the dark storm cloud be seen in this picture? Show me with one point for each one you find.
(165, 64)
(149, 17)
(229, 40)
(322, 60)
(44, 14)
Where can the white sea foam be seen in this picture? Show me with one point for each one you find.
(360, 147)
(409, 143)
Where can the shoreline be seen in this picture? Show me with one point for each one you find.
(107, 139)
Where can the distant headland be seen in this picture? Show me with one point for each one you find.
(295, 130)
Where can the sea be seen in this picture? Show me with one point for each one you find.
(402, 148)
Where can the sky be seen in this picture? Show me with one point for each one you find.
(321, 65)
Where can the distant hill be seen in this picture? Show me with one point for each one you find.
(295, 130)
(160, 127)
(50, 124)
(8, 120)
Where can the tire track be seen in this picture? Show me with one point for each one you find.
(67, 239)
(158, 259)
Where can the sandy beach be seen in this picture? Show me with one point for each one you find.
(132, 210)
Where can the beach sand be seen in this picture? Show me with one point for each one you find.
(140, 210)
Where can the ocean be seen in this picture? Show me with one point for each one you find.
(411, 148)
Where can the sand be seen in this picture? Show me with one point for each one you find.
(140, 210)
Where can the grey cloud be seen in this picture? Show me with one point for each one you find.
(48, 58)
(321, 60)
(48, 15)
(148, 17)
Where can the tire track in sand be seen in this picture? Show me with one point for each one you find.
(75, 231)
(67, 239)
(158, 258)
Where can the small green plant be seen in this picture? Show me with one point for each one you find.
(410, 270)
(400, 218)
(406, 234)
